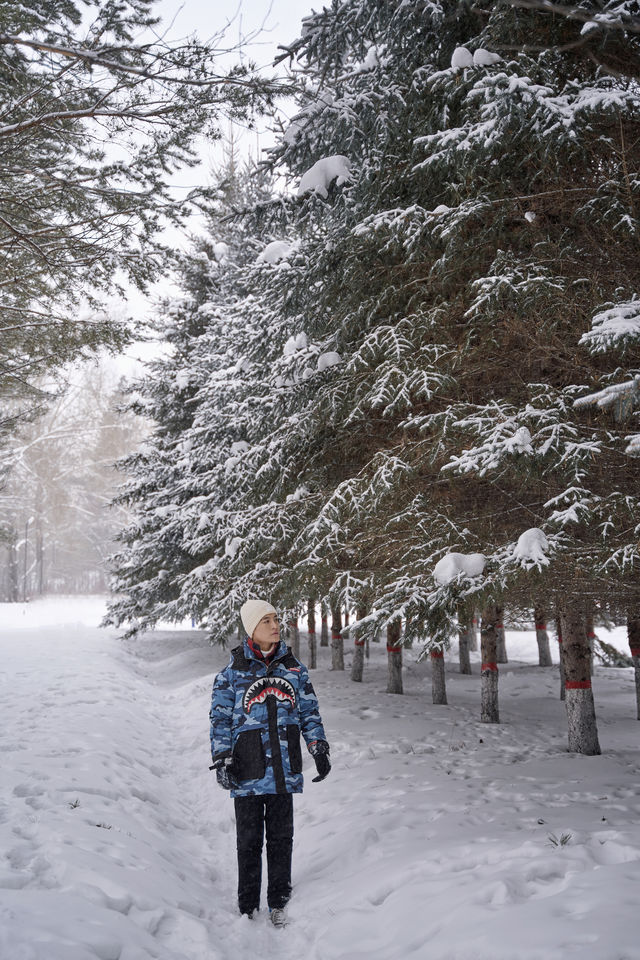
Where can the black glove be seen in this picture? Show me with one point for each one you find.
(225, 773)
(319, 750)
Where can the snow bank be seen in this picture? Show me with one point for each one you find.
(454, 564)
(318, 178)
(118, 845)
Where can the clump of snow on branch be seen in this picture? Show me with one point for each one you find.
(318, 178)
(275, 251)
(485, 58)
(531, 548)
(232, 546)
(370, 62)
(239, 447)
(295, 343)
(633, 445)
(614, 328)
(329, 359)
(463, 59)
(504, 438)
(221, 251)
(610, 396)
(451, 566)
(520, 442)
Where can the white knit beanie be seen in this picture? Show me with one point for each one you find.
(252, 613)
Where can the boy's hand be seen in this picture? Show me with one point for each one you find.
(319, 750)
(225, 774)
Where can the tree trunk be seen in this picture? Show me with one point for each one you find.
(438, 682)
(542, 637)
(560, 654)
(357, 665)
(311, 627)
(581, 714)
(12, 547)
(473, 632)
(489, 712)
(337, 643)
(40, 559)
(463, 640)
(591, 634)
(394, 657)
(294, 633)
(501, 644)
(633, 633)
(324, 627)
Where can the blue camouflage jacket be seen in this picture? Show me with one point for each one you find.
(257, 716)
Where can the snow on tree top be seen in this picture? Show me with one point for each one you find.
(531, 548)
(318, 177)
(275, 251)
(454, 564)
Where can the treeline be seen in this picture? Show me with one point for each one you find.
(57, 524)
(409, 387)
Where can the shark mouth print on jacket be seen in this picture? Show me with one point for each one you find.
(260, 689)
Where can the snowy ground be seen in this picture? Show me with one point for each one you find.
(433, 837)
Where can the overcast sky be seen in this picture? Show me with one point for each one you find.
(276, 22)
(264, 25)
(279, 19)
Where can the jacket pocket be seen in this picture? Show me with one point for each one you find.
(293, 744)
(248, 756)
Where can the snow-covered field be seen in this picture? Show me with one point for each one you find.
(435, 836)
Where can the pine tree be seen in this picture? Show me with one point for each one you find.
(181, 481)
(98, 113)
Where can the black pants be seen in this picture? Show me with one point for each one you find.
(253, 814)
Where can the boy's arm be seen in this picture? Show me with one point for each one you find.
(310, 720)
(220, 715)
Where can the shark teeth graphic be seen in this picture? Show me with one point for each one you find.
(265, 687)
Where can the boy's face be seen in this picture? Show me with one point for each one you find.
(267, 632)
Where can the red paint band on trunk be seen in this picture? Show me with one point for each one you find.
(541, 626)
(578, 685)
(359, 643)
(499, 626)
(493, 667)
(391, 649)
(635, 651)
(310, 632)
(336, 636)
(437, 654)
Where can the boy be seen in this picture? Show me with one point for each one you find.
(261, 703)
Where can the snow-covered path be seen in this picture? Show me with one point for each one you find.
(432, 838)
